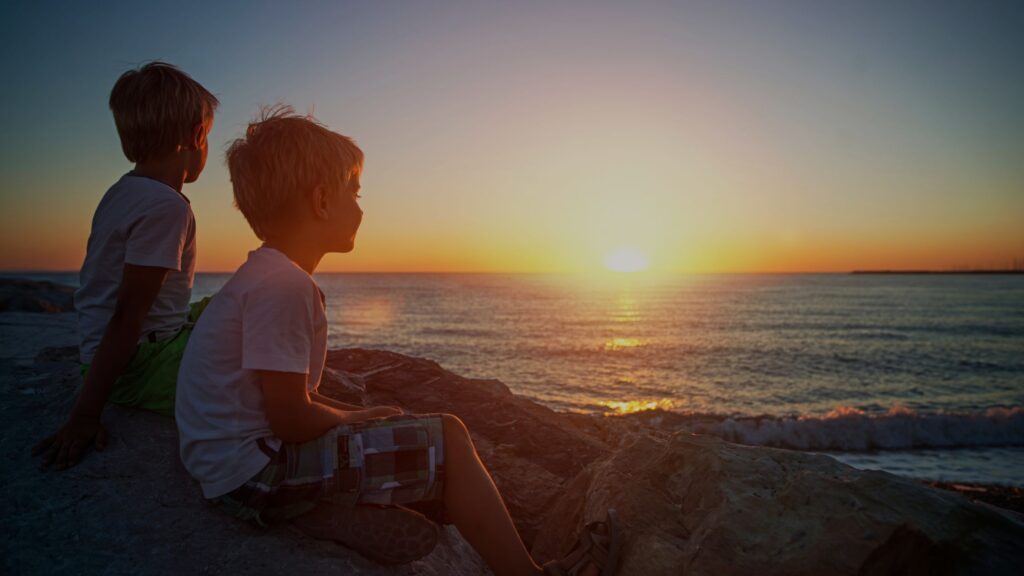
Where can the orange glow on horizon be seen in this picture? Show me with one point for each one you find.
(64, 251)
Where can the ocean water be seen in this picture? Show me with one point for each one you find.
(918, 375)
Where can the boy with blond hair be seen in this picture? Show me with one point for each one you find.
(136, 280)
(259, 437)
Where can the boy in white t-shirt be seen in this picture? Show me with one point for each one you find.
(136, 280)
(254, 430)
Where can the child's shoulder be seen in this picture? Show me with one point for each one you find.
(272, 274)
(269, 289)
(142, 187)
(140, 195)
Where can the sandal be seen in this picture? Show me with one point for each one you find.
(599, 544)
(385, 534)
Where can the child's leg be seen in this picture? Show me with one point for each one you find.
(473, 504)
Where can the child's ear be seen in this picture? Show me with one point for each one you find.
(320, 194)
(198, 136)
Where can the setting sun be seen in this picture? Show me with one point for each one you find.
(626, 260)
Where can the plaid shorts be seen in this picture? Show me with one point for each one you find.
(395, 460)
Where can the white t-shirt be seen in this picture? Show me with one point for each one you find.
(147, 223)
(269, 316)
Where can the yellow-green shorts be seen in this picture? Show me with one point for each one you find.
(150, 380)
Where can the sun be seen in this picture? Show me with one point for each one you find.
(626, 260)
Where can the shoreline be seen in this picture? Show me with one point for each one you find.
(1004, 497)
(937, 272)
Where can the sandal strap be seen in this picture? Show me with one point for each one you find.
(598, 548)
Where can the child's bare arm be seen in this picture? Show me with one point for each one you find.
(139, 288)
(295, 417)
(338, 405)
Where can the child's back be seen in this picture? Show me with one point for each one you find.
(144, 222)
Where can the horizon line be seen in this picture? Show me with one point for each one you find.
(582, 272)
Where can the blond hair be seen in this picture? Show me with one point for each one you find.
(156, 107)
(281, 159)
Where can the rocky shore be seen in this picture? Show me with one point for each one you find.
(691, 504)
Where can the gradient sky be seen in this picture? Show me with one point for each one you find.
(712, 136)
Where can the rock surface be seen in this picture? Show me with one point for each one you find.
(692, 504)
(530, 450)
(133, 509)
(699, 505)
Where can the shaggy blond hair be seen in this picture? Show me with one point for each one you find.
(156, 108)
(281, 159)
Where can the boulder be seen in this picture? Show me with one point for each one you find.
(699, 505)
(133, 509)
(531, 450)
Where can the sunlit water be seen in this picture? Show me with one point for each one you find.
(896, 369)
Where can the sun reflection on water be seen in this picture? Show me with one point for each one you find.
(623, 344)
(375, 313)
(626, 309)
(632, 406)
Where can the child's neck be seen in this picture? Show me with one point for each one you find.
(297, 250)
(168, 171)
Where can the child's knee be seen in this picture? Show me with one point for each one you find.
(454, 428)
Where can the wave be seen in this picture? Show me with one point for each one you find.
(853, 430)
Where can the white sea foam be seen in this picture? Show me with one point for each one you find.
(850, 429)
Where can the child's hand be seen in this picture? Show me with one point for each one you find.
(66, 447)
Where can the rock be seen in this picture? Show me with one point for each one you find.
(21, 295)
(699, 505)
(133, 509)
(530, 449)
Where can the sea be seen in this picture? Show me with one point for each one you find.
(918, 375)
